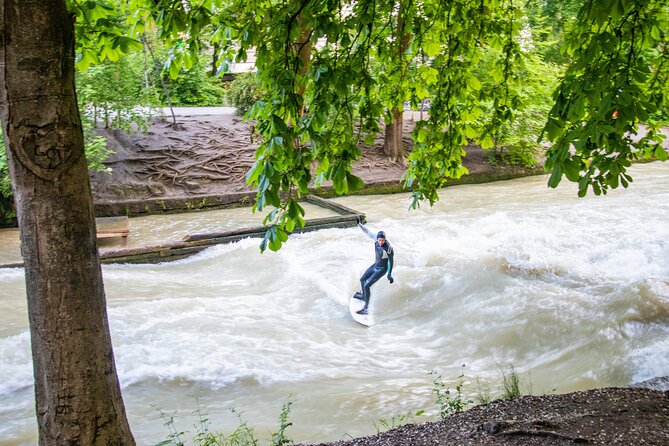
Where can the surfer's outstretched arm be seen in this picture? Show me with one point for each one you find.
(367, 232)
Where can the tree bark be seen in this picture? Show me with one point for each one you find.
(303, 48)
(214, 60)
(392, 143)
(77, 393)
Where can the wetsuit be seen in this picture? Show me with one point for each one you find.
(383, 264)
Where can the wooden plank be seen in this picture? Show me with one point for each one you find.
(338, 208)
(111, 227)
(259, 231)
(112, 234)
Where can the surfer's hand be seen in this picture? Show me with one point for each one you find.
(390, 279)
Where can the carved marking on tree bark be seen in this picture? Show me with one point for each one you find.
(42, 151)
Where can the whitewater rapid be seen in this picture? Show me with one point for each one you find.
(574, 293)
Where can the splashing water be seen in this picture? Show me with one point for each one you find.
(574, 293)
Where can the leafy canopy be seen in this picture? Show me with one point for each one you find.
(331, 69)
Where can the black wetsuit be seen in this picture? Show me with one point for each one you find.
(382, 265)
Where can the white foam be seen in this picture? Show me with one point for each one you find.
(16, 370)
(492, 275)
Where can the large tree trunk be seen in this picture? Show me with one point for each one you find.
(77, 393)
(392, 143)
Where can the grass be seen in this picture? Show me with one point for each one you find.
(243, 435)
(448, 401)
(511, 384)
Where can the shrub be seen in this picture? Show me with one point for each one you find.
(243, 92)
(112, 93)
(449, 403)
(195, 87)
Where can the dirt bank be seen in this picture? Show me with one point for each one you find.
(611, 416)
(203, 162)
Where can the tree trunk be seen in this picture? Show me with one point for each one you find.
(303, 48)
(77, 393)
(392, 144)
(214, 60)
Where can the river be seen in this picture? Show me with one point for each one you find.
(573, 293)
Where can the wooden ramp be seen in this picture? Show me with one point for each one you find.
(110, 227)
(194, 243)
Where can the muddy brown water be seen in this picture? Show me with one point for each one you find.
(574, 293)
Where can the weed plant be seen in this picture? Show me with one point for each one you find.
(243, 435)
(397, 421)
(449, 402)
(512, 385)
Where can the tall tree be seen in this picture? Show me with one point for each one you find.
(77, 393)
(399, 65)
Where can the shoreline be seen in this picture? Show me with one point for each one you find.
(203, 202)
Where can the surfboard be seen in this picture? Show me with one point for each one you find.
(356, 305)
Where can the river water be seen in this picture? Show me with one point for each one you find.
(573, 293)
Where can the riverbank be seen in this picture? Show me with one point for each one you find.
(202, 163)
(608, 416)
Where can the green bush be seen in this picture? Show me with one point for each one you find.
(113, 94)
(516, 140)
(7, 213)
(449, 402)
(194, 88)
(243, 92)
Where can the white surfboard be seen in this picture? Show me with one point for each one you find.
(355, 305)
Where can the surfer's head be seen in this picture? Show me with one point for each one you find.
(381, 237)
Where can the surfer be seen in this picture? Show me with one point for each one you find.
(382, 265)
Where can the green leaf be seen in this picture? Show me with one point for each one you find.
(555, 178)
(660, 153)
(354, 182)
(173, 68)
(431, 48)
(572, 168)
(487, 142)
(428, 74)
(473, 82)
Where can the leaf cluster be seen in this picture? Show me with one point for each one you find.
(619, 77)
(331, 71)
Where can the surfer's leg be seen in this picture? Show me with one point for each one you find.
(376, 274)
(374, 277)
(363, 279)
